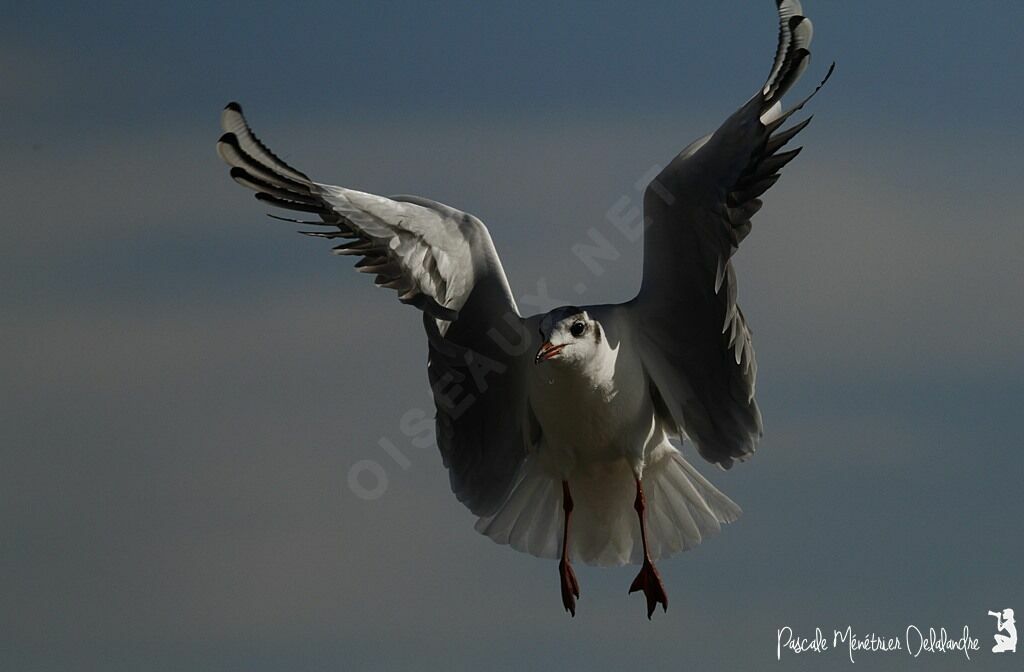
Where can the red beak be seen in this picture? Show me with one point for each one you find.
(546, 352)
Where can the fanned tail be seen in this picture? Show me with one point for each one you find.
(683, 509)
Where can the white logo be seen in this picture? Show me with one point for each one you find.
(1005, 623)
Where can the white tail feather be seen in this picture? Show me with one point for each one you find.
(683, 509)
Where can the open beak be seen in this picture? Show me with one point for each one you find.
(547, 351)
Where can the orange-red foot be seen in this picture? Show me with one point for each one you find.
(570, 587)
(649, 581)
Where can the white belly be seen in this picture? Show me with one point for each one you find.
(585, 422)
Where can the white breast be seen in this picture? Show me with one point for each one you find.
(598, 412)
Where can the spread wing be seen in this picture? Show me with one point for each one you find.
(696, 345)
(442, 261)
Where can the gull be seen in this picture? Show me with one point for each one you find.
(557, 430)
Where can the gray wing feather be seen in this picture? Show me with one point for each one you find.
(485, 427)
(442, 261)
(696, 343)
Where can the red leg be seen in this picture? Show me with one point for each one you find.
(648, 580)
(570, 587)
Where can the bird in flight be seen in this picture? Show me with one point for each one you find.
(557, 429)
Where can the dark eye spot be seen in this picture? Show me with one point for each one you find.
(577, 329)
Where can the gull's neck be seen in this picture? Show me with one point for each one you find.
(595, 374)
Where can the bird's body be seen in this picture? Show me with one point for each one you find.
(565, 421)
(600, 430)
(594, 409)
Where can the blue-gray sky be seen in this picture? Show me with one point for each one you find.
(186, 383)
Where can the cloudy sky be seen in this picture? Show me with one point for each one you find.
(186, 384)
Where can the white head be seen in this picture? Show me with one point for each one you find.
(570, 338)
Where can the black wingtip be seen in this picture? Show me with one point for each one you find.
(229, 138)
(292, 220)
(234, 107)
(288, 204)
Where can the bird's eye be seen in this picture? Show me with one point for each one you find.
(577, 329)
